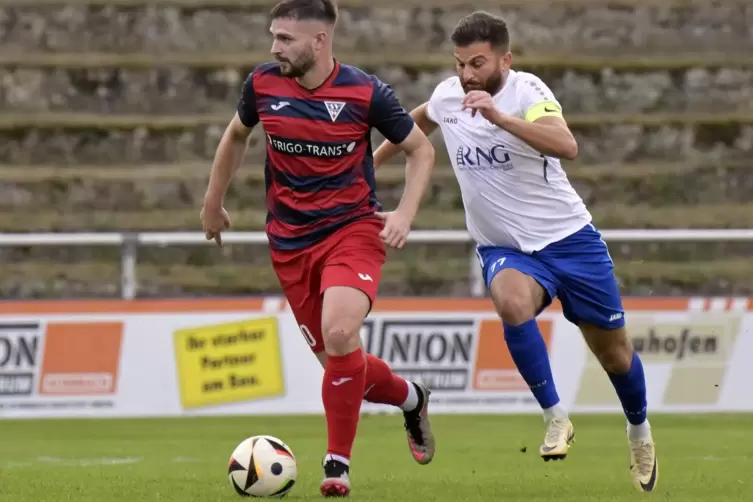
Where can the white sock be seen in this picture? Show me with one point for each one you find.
(338, 458)
(411, 402)
(556, 411)
(641, 431)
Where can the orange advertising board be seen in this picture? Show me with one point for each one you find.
(81, 358)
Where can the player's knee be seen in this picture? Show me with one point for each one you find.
(515, 307)
(343, 311)
(342, 337)
(517, 296)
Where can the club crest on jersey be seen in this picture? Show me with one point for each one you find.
(334, 108)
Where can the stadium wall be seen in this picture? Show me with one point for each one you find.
(247, 356)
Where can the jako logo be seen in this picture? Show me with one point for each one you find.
(478, 158)
(310, 148)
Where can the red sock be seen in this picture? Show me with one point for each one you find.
(383, 386)
(342, 392)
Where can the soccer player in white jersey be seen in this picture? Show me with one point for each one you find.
(505, 133)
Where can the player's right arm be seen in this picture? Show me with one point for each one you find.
(233, 144)
(227, 160)
(420, 116)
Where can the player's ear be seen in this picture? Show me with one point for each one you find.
(320, 40)
(507, 61)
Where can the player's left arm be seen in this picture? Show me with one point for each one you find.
(547, 133)
(542, 127)
(398, 127)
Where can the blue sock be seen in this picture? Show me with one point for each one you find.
(631, 389)
(528, 351)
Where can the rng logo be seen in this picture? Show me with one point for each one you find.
(478, 158)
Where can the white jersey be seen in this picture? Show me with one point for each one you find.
(513, 195)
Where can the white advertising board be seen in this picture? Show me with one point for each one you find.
(235, 357)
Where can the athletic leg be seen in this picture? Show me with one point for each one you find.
(298, 274)
(591, 299)
(344, 383)
(350, 280)
(300, 277)
(385, 387)
(344, 365)
(520, 288)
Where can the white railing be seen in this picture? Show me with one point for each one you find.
(129, 242)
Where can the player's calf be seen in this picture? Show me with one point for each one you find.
(344, 381)
(517, 298)
(615, 352)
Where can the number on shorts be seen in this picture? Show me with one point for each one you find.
(307, 335)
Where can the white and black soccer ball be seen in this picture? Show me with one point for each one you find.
(262, 466)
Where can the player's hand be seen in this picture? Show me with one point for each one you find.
(214, 220)
(396, 228)
(481, 102)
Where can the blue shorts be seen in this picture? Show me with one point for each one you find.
(577, 269)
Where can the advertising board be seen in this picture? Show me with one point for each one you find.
(247, 356)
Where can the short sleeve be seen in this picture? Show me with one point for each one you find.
(247, 104)
(387, 115)
(536, 99)
(432, 107)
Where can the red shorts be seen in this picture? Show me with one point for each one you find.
(352, 256)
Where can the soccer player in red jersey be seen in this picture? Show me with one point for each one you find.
(326, 230)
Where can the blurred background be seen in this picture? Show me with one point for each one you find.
(111, 110)
(110, 114)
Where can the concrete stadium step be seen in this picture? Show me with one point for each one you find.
(404, 275)
(537, 26)
(349, 4)
(369, 60)
(62, 120)
(61, 138)
(151, 187)
(606, 215)
(391, 174)
(165, 90)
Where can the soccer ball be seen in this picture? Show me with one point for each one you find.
(262, 466)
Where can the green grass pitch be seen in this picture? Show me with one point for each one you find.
(479, 458)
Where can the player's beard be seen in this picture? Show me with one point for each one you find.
(492, 85)
(300, 67)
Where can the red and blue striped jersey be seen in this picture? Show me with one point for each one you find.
(319, 167)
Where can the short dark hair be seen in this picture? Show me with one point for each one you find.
(482, 27)
(306, 10)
